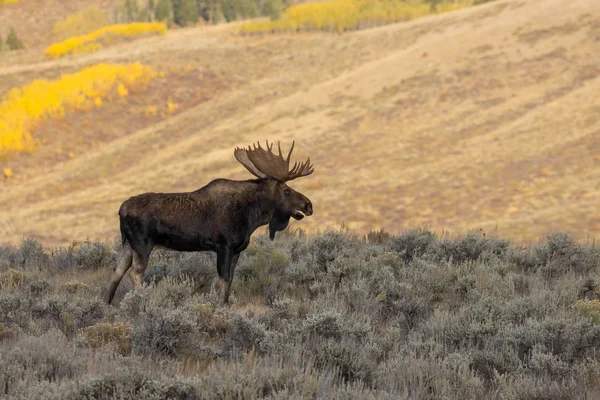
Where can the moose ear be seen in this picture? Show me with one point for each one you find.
(242, 157)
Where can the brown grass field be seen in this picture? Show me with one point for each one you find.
(486, 118)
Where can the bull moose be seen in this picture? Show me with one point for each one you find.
(218, 217)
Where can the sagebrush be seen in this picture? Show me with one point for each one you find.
(414, 316)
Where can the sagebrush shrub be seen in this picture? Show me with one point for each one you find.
(541, 387)
(354, 363)
(10, 303)
(327, 324)
(466, 318)
(172, 293)
(560, 254)
(94, 255)
(127, 385)
(247, 334)
(30, 255)
(326, 247)
(413, 244)
(67, 313)
(378, 237)
(136, 302)
(104, 333)
(471, 247)
(75, 287)
(261, 273)
(161, 331)
(200, 267)
(488, 363)
(12, 278)
(46, 358)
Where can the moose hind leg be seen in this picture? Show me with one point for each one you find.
(124, 263)
(234, 261)
(140, 262)
(224, 261)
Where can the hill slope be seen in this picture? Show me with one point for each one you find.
(485, 118)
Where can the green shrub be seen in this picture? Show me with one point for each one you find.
(12, 41)
(163, 12)
(272, 9)
(185, 12)
(131, 9)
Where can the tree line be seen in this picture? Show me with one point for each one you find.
(189, 12)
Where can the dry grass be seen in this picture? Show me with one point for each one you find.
(483, 118)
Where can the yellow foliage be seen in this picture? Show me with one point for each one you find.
(171, 106)
(122, 90)
(21, 110)
(342, 15)
(3, 2)
(151, 111)
(8, 172)
(80, 23)
(108, 34)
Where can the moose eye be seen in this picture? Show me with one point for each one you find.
(286, 192)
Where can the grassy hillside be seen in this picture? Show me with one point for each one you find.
(34, 20)
(329, 316)
(484, 118)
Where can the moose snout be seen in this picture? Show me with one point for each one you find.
(308, 209)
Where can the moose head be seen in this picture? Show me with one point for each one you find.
(265, 164)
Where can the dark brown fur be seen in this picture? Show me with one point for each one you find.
(219, 217)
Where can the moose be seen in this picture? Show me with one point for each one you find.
(218, 217)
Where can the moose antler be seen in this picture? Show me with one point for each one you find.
(263, 163)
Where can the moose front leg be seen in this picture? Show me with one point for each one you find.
(226, 261)
(231, 272)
